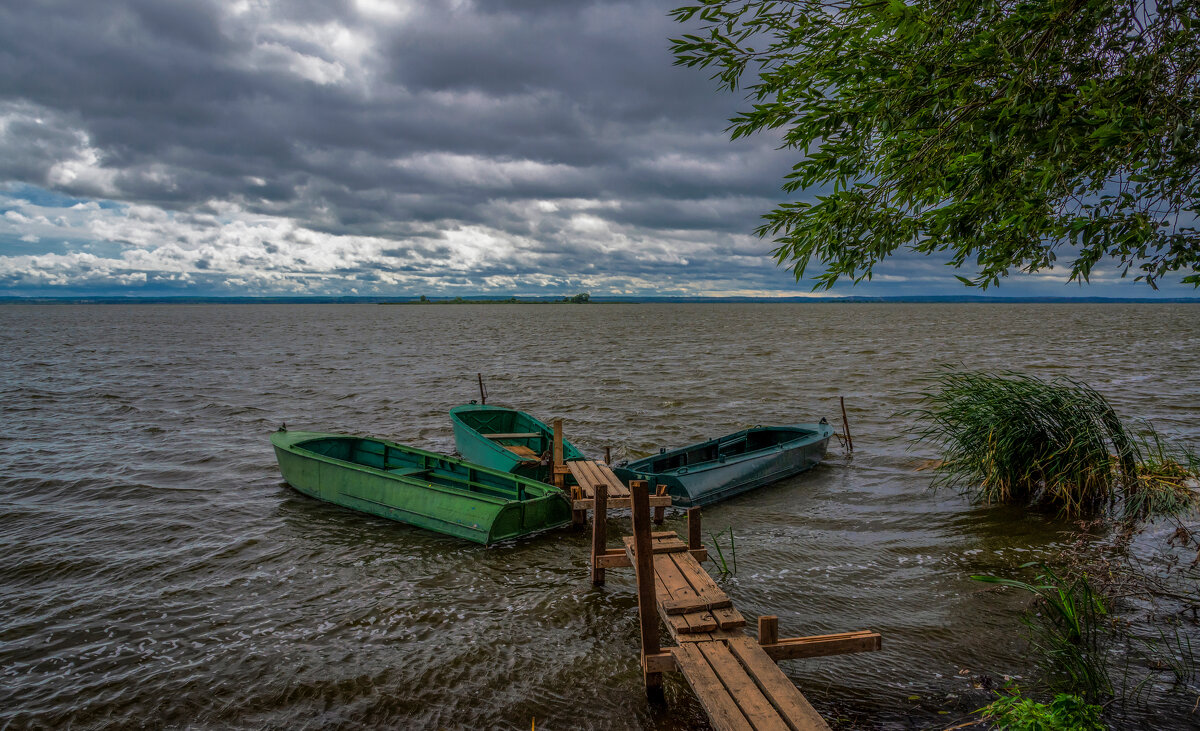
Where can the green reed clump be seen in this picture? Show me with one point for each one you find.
(1013, 438)
(1012, 712)
(1066, 631)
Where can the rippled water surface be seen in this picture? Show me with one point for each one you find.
(156, 570)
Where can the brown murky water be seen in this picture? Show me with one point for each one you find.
(157, 572)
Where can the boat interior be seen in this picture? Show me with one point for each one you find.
(718, 450)
(427, 468)
(515, 431)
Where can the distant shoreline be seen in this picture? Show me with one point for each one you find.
(595, 300)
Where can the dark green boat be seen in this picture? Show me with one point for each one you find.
(420, 488)
(704, 473)
(506, 439)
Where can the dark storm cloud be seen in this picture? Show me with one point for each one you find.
(373, 146)
(189, 101)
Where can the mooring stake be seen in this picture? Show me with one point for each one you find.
(482, 390)
(846, 424)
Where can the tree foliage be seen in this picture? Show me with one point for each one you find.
(998, 133)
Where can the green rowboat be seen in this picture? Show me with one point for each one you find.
(506, 440)
(420, 488)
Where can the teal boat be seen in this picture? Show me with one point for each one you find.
(506, 439)
(710, 471)
(419, 488)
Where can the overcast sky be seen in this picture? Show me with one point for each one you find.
(263, 147)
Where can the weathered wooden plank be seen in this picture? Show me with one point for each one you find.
(520, 451)
(613, 558)
(729, 618)
(685, 606)
(683, 624)
(515, 435)
(704, 585)
(721, 708)
(663, 662)
(784, 696)
(750, 700)
(677, 589)
(660, 546)
(794, 648)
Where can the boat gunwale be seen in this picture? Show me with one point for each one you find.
(817, 435)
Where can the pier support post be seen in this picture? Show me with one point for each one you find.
(693, 526)
(644, 566)
(660, 511)
(599, 532)
(768, 630)
(556, 446)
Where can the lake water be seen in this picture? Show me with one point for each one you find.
(156, 570)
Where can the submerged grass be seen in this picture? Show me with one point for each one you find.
(1066, 631)
(1018, 439)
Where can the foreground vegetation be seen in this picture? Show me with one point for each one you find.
(1017, 439)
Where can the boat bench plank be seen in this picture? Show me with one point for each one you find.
(407, 471)
(515, 435)
(521, 451)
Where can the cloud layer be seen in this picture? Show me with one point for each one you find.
(377, 147)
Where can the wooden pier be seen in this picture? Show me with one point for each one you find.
(588, 476)
(734, 677)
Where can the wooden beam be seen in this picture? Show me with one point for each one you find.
(644, 566)
(599, 533)
(663, 662)
(693, 526)
(794, 648)
(612, 559)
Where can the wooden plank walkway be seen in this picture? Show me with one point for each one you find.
(734, 677)
(587, 475)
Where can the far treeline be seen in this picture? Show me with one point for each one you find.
(579, 299)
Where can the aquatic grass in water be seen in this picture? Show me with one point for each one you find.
(1012, 712)
(1066, 631)
(721, 564)
(1013, 438)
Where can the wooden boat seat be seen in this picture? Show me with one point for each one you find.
(514, 435)
(521, 451)
(408, 471)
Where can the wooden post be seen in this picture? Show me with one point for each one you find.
(608, 455)
(846, 424)
(644, 566)
(768, 630)
(482, 390)
(599, 531)
(556, 447)
(693, 521)
(660, 511)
